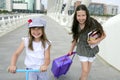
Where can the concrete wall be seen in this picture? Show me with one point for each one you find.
(109, 48)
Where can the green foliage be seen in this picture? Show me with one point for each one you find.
(4, 11)
(104, 15)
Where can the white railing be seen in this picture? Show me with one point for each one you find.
(11, 22)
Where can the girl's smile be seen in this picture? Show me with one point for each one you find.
(36, 32)
(81, 17)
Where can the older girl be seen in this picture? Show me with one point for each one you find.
(82, 25)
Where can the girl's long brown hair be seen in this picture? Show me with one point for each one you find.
(75, 24)
(89, 23)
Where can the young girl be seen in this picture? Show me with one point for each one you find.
(37, 48)
(82, 25)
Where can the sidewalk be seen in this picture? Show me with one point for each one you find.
(61, 41)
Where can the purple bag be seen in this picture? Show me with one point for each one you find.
(61, 65)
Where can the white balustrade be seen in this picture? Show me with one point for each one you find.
(11, 22)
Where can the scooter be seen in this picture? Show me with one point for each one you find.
(27, 72)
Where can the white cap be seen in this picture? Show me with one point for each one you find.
(36, 22)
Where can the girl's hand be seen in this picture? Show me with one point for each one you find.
(70, 53)
(43, 68)
(91, 42)
(12, 69)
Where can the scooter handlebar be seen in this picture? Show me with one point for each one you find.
(25, 70)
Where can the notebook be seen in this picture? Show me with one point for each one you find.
(92, 35)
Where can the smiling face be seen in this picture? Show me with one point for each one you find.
(36, 32)
(81, 16)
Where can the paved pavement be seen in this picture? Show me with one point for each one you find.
(61, 41)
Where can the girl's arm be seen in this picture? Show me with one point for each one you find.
(46, 60)
(97, 40)
(12, 67)
(101, 38)
(72, 47)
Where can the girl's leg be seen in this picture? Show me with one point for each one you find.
(32, 76)
(86, 66)
(43, 76)
(89, 66)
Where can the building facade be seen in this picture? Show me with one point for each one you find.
(99, 8)
(38, 6)
(111, 10)
(6, 5)
(2, 4)
(23, 6)
(96, 9)
(102, 9)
